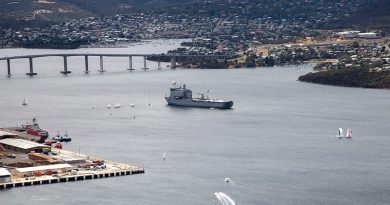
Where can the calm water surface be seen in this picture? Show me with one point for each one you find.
(278, 144)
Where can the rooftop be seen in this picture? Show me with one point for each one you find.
(4, 172)
(46, 167)
(3, 133)
(20, 143)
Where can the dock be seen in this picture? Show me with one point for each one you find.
(112, 169)
(28, 159)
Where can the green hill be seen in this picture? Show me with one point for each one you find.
(362, 14)
(25, 13)
(349, 78)
(374, 14)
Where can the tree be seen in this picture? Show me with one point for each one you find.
(269, 61)
(355, 44)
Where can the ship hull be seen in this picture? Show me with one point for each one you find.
(199, 103)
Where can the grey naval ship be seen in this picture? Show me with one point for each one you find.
(182, 96)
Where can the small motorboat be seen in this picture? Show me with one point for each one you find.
(108, 106)
(227, 179)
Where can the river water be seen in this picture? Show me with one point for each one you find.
(278, 144)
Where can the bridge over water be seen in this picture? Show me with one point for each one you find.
(65, 71)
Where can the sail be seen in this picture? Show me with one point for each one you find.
(25, 102)
(340, 131)
(349, 133)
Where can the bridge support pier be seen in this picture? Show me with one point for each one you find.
(130, 63)
(145, 68)
(66, 71)
(86, 64)
(31, 73)
(9, 67)
(101, 65)
(173, 62)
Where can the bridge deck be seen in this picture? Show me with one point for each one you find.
(108, 55)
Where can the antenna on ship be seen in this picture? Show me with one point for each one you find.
(34, 120)
(173, 83)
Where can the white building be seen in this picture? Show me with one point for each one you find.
(21, 145)
(5, 175)
(348, 34)
(368, 35)
(30, 171)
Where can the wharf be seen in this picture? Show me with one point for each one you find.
(112, 169)
(23, 134)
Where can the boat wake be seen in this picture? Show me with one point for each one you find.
(224, 199)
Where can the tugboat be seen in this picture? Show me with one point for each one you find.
(64, 138)
(181, 96)
(34, 129)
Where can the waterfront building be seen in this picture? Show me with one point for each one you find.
(21, 145)
(32, 171)
(5, 175)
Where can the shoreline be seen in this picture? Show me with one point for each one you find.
(357, 78)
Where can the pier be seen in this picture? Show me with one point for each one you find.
(113, 169)
(173, 60)
(69, 178)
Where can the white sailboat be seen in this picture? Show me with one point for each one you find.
(133, 106)
(117, 105)
(25, 101)
(340, 135)
(349, 133)
(164, 157)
